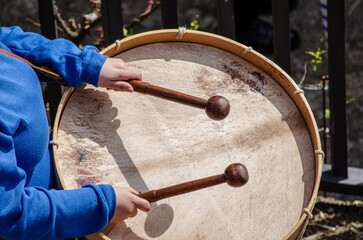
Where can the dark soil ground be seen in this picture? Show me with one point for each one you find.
(335, 219)
(336, 216)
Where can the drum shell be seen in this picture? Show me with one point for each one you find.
(260, 62)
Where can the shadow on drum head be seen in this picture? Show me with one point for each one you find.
(97, 106)
(158, 220)
(298, 128)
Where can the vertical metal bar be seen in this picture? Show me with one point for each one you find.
(48, 23)
(226, 26)
(337, 86)
(112, 20)
(281, 34)
(325, 124)
(48, 28)
(169, 13)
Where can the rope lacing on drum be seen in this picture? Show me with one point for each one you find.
(247, 50)
(306, 210)
(181, 32)
(320, 152)
(298, 91)
(53, 143)
(118, 44)
(310, 216)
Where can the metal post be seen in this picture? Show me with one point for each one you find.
(337, 86)
(48, 23)
(112, 20)
(226, 26)
(169, 13)
(48, 28)
(281, 34)
(338, 176)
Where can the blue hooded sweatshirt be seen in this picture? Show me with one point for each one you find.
(29, 207)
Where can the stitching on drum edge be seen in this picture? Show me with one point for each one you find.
(298, 91)
(310, 216)
(53, 143)
(118, 44)
(320, 152)
(181, 32)
(247, 50)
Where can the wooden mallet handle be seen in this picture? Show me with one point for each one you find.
(236, 175)
(216, 107)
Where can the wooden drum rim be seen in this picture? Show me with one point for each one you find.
(246, 53)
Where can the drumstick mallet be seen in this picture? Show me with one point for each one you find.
(236, 175)
(216, 107)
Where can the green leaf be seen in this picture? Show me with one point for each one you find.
(127, 33)
(194, 25)
(312, 53)
(327, 114)
(317, 58)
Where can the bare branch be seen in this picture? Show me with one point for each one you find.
(151, 7)
(63, 24)
(35, 23)
(353, 7)
(76, 32)
(32, 22)
(305, 73)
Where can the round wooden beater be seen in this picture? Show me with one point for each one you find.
(216, 107)
(236, 175)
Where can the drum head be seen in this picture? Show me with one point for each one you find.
(148, 143)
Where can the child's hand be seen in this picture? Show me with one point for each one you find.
(114, 73)
(127, 203)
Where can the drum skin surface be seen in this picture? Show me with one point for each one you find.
(148, 143)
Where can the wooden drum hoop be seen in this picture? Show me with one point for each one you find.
(253, 84)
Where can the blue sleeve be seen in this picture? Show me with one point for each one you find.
(34, 212)
(60, 55)
(37, 213)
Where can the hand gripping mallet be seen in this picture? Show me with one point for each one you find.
(216, 107)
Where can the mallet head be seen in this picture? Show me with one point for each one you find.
(217, 108)
(236, 175)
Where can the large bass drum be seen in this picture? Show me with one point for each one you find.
(148, 143)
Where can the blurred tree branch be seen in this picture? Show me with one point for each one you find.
(78, 31)
(151, 7)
